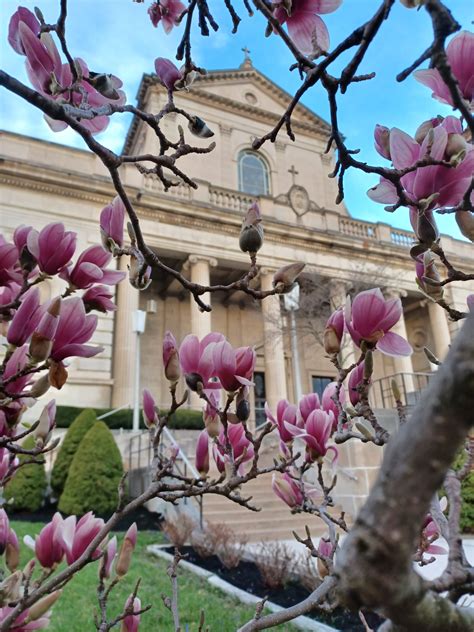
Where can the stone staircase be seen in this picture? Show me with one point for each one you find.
(274, 522)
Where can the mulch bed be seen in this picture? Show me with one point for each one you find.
(146, 520)
(247, 577)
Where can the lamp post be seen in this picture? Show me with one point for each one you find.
(291, 301)
(138, 323)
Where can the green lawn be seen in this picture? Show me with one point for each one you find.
(74, 611)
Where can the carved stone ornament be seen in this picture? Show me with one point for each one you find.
(298, 198)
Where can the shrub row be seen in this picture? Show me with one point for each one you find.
(183, 419)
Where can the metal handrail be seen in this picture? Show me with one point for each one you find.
(180, 454)
(410, 386)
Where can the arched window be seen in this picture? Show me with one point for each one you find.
(253, 174)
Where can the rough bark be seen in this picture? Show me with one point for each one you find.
(375, 565)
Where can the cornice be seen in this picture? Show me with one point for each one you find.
(165, 209)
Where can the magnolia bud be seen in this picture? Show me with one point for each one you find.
(426, 127)
(125, 556)
(284, 278)
(465, 221)
(456, 148)
(412, 4)
(104, 84)
(199, 128)
(46, 424)
(42, 606)
(12, 551)
(202, 453)
(322, 568)
(194, 381)
(331, 341)
(57, 374)
(40, 387)
(395, 391)
(251, 233)
(363, 427)
(42, 339)
(139, 274)
(232, 418)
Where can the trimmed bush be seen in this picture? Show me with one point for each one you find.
(183, 419)
(94, 474)
(28, 487)
(467, 495)
(68, 448)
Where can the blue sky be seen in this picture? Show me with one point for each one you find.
(117, 36)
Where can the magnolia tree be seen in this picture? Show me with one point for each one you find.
(372, 567)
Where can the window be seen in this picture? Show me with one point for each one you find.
(259, 390)
(253, 174)
(319, 384)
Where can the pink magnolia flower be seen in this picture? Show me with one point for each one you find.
(43, 63)
(15, 364)
(90, 268)
(240, 445)
(325, 547)
(460, 53)
(22, 623)
(99, 298)
(382, 140)
(196, 360)
(430, 533)
(202, 453)
(305, 27)
(51, 544)
(22, 14)
(84, 532)
(210, 415)
(74, 329)
(26, 318)
(4, 530)
(9, 264)
(233, 367)
(356, 378)
(437, 185)
(9, 293)
(288, 489)
(131, 622)
(52, 247)
(109, 557)
(5, 461)
(370, 318)
(316, 433)
(306, 405)
(171, 358)
(43, 335)
(112, 219)
(327, 402)
(20, 237)
(167, 12)
(286, 413)
(149, 408)
(167, 73)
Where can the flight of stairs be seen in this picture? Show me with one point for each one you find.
(274, 522)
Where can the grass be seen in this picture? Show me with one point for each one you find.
(74, 612)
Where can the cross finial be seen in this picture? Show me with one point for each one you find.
(293, 173)
(246, 52)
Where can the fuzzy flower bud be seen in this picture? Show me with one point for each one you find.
(42, 339)
(46, 424)
(284, 278)
(125, 556)
(202, 453)
(149, 409)
(42, 606)
(251, 233)
(333, 332)
(171, 358)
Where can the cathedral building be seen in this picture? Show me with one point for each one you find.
(196, 232)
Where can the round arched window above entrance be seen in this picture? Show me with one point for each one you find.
(253, 174)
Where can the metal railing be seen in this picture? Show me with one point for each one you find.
(410, 386)
(140, 456)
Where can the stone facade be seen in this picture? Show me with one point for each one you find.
(196, 231)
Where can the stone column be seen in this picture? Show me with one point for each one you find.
(124, 342)
(440, 329)
(403, 364)
(338, 293)
(199, 268)
(275, 373)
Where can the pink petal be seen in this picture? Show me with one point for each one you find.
(394, 345)
(303, 28)
(384, 192)
(404, 150)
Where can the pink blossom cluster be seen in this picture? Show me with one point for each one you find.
(368, 319)
(45, 334)
(54, 79)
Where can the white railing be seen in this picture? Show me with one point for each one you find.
(181, 190)
(357, 228)
(229, 199)
(402, 238)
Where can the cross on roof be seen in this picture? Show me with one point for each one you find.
(246, 52)
(293, 173)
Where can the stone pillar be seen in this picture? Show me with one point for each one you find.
(199, 272)
(275, 373)
(338, 292)
(402, 364)
(124, 342)
(199, 268)
(440, 329)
